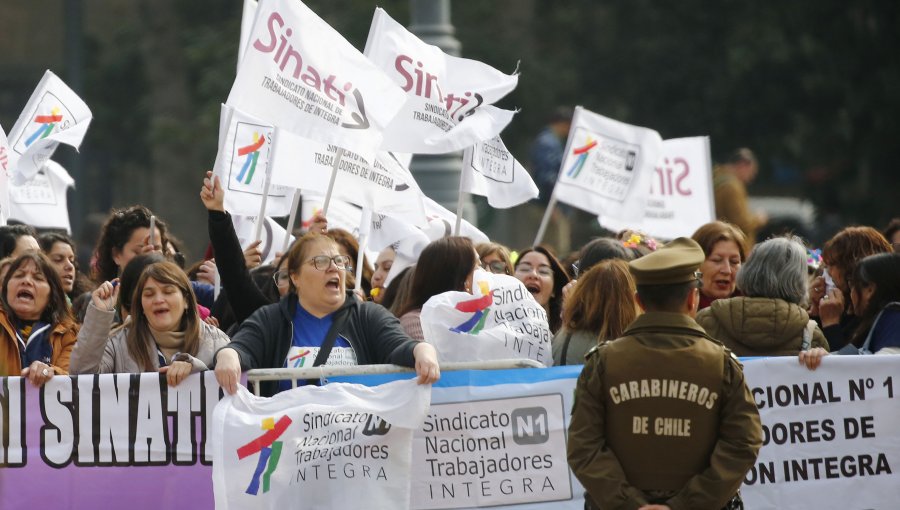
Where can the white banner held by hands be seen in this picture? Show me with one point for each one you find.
(499, 320)
(448, 99)
(490, 170)
(54, 114)
(301, 75)
(309, 445)
(271, 235)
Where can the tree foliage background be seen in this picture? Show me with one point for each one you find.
(810, 86)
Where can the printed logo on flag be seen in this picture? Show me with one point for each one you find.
(269, 452)
(49, 116)
(250, 158)
(494, 162)
(479, 308)
(602, 165)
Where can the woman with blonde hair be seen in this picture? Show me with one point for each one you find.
(599, 309)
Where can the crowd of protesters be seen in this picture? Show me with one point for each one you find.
(137, 309)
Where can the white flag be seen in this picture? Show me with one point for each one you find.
(441, 222)
(607, 166)
(5, 167)
(271, 235)
(248, 17)
(680, 197)
(387, 186)
(299, 74)
(337, 446)
(490, 170)
(242, 163)
(448, 99)
(499, 320)
(42, 202)
(54, 114)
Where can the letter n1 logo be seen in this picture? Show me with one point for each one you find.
(530, 425)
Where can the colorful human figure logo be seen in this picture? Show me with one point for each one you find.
(300, 359)
(46, 123)
(582, 153)
(479, 308)
(269, 452)
(252, 152)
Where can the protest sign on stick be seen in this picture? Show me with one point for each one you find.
(606, 169)
(680, 197)
(449, 100)
(54, 114)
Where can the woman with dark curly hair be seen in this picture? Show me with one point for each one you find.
(60, 249)
(125, 235)
(544, 277)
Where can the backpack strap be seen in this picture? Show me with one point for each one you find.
(328, 344)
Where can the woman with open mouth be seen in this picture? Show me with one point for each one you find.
(544, 277)
(35, 322)
(725, 248)
(165, 333)
(320, 323)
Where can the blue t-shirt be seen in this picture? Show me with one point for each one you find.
(309, 334)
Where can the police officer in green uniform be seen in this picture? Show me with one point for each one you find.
(663, 417)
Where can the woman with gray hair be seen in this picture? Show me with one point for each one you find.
(770, 319)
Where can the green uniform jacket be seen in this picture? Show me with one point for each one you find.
(662, 340)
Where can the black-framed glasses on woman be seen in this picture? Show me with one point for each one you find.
(323, 262)
(496, 267)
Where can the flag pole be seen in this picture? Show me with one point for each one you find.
(467, 156)
(295, 204)
(365, 225)
(546, 219)
(266, 185)
(334, 170)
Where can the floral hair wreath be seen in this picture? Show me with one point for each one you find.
(637, 239)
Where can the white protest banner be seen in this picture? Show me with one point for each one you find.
(299, 74)
(41, 201)
(387, 186)
(271, 234)
(830, 436)
(4, 176)
(499, 320)
(248, 17)
(490, 170)
(494, 439)
(54, 114)
(337, 446)
(680, 198)
(448, 99)
(90, 441)
(607, 166)
(242, 163)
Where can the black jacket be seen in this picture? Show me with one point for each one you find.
(243, 294)
(375, 335)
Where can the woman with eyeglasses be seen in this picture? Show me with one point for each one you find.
(494, 258)
(319, 323)
(544, 277)
(725, 248)
(444, 265)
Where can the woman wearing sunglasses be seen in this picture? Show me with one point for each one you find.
(319, 323)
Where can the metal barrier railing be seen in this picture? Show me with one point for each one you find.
(256, 376)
